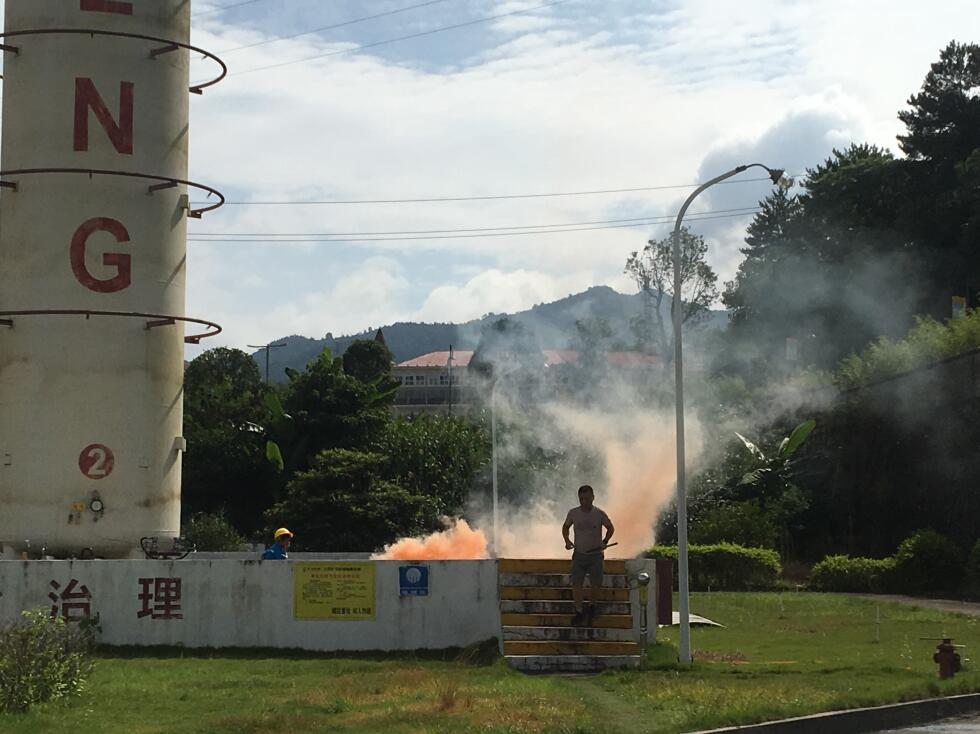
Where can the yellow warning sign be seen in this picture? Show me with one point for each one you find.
(334, 590)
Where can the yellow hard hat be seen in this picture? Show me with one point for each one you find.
(282, 531)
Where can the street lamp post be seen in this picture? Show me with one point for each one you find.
(778, 177)
(266, 347)
(495, 538)
(493, 462)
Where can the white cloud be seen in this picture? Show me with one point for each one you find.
(584, 95)
(495, 291)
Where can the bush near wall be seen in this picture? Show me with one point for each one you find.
(853, 575)
(725, 566)
(42, 660)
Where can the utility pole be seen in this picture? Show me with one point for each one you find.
(779, 178)
(266, 347)
(450, 368)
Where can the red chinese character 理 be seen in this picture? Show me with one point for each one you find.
(69, 601)
(165, 599)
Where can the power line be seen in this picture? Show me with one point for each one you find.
(240, 240)
(410, 36)
(741, 210)
(223, 8)
(496, 197)
(332, 27)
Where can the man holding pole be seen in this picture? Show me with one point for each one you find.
(587, 558)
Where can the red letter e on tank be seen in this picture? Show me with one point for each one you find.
(108, 6)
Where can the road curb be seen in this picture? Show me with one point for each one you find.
(859, 721)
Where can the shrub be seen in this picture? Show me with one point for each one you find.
(927, 561)
(971, 585)
(42, 659)
(741, 523)
(213, 533)
(853, 575)
(725, 566)
(928, 341)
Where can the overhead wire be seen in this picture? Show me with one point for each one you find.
(463, 234)
(224, 8)
(332, 27)
(410, 36)
(492, 197)
(647, 218)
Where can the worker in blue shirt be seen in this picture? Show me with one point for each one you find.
(278, 551)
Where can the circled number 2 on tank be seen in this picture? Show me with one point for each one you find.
(96, 461)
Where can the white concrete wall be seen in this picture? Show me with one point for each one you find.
(227, 603)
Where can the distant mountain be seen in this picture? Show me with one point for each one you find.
(552, 323)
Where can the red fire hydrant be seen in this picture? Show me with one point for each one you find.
(947, 658)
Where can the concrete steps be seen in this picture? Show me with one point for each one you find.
(618, 621)
(536, 613)
(609, 634)
(507, 580)
(571, 663)
(544, 606)
(573, 647)
(551, 566)
(563, 593)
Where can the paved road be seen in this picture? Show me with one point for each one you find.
(964, 725)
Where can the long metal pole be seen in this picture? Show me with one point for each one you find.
(682, 546)
(267, 348)
(450, 367)
(685, 610)
(493, 462)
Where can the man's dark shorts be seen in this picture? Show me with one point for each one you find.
(587, 564)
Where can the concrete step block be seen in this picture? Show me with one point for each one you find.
(569, 647)
(598, 634)
(551, 580)
(560, 607)
(572, 663)
(559, 593)
(514, 619)
(551, 565)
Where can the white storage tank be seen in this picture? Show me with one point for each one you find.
(91, 403)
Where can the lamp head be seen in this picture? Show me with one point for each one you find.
(780, 179)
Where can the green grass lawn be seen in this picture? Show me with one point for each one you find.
(810, 653)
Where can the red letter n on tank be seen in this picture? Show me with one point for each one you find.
(120, 134)
(108, 6)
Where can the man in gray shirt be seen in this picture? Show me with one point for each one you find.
(588, 521)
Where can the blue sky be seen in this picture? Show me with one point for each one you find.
(582, 95)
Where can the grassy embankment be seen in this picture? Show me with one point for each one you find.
(810, 653)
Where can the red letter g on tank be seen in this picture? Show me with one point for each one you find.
(121, 262)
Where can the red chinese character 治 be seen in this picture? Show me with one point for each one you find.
(165, 599)
(72, 604)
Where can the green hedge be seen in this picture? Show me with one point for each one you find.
(725, 566)
(927, 562)
(855, 575)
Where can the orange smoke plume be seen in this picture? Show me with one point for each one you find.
(457, 542)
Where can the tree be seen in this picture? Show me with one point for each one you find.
(438, 456)
(653, 272)
(224, 414)
(323, 408)
(343, 503)
(212, 532)
(368, 360)
(943, 123)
